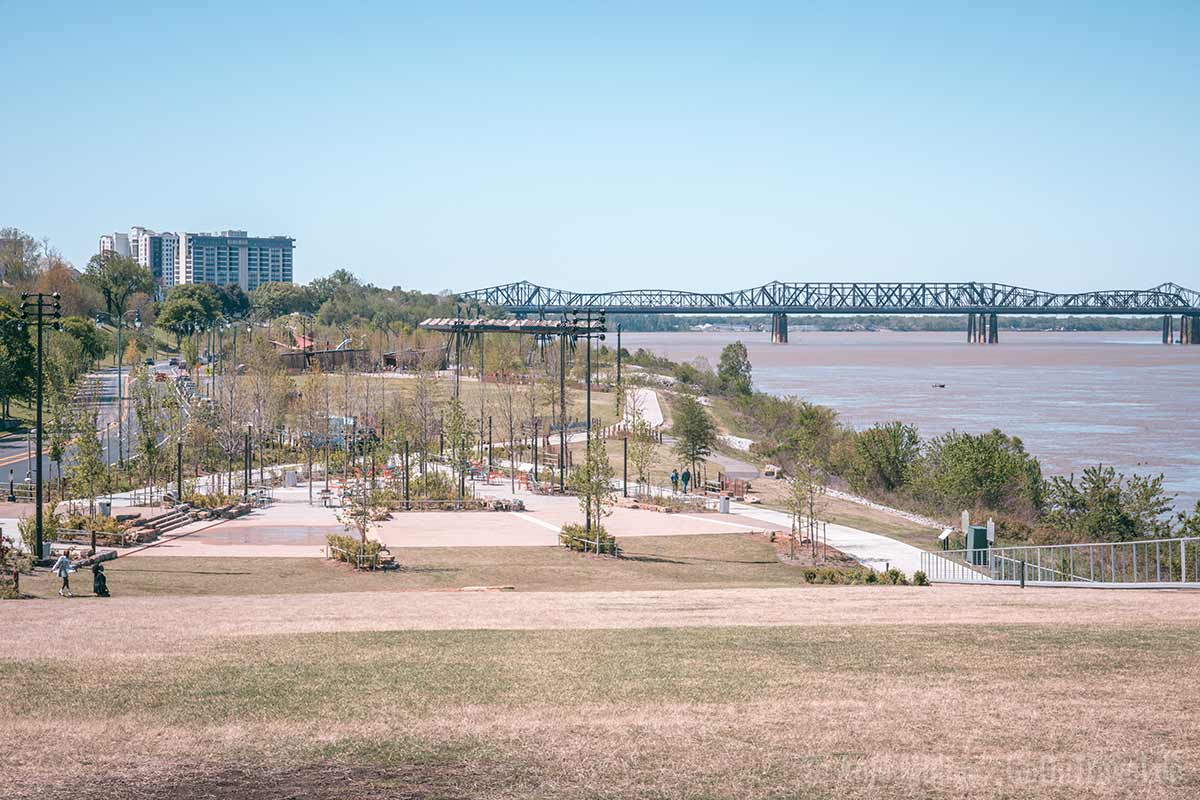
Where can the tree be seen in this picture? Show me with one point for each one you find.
(76, 297)
(1107, 507)
(182, 317)
(642, 445)
(806, 491)
(280, 299)
(459, 436)
(985, 471)
(733, 370)
(1189, 524)
(117, 278)
(591, 481)
(88, 472)
(232, 301)
(93, 342)
(20, 254)
(147, 410)
(204, 295)
(16, 358)
(884, 456)
(694, 429)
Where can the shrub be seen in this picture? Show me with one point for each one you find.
(83, 522)
(919, 578)
(433, 485)
(28, 530)
(577, 537)
(347, 549)
(857, 576)
(207, 501)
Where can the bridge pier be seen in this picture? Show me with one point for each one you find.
(1168, 329)
(1189, 329)
(983, 329)
(779, 329)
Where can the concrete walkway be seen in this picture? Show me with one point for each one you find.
(871, 549)
(646, 401)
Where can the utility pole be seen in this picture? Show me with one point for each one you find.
(40, 309)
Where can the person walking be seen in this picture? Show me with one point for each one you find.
(674, 481)
(63, 569)
(686, 477)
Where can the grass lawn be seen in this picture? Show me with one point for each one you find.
(1052, 709)
(649, 562)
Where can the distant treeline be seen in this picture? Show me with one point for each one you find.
(676, 322)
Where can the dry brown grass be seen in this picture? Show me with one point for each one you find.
(1046, 709)
(649, 562)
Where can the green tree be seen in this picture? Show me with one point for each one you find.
(118, 279)
(591, 481)
(16, 358)
(643, 442)
(232, 301)
(733, 370)
(202, 294)
(93, 342)
(984, 471)
(1189, 524)
(279, 299)
(182, 317)
(460, 436)
(694, 429)
(884, 456)
(88, 473)
(1106, 507)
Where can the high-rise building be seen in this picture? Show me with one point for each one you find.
(231, 257)
(156, 252)
(114, 243)
(223, 258)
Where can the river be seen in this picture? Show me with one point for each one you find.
(1075, 399)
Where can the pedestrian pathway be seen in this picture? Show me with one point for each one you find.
(871, 549)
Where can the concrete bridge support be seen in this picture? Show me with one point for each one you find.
(1189, 329)
(983, 329)
(779, 328)
(1168, 333)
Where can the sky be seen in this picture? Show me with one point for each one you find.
(620, 145)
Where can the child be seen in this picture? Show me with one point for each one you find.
(63, 569)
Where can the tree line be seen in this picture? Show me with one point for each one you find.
(990, 473)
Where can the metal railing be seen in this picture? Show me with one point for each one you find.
(1148, 563)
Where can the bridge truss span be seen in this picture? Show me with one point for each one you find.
(779, 297)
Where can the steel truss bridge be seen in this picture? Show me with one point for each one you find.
(778, 297)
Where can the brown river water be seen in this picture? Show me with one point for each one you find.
(1120, 397)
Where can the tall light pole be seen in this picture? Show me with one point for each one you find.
(119, 321)
(39, 309)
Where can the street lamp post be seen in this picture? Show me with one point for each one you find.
(119, 321)
(593, 328)
(40, 309)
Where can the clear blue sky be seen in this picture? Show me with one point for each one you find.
(611, 145)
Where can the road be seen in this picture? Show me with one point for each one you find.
(16, 451)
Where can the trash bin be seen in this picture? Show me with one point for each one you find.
(289, 478)
(723, 504)
(105, 507)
